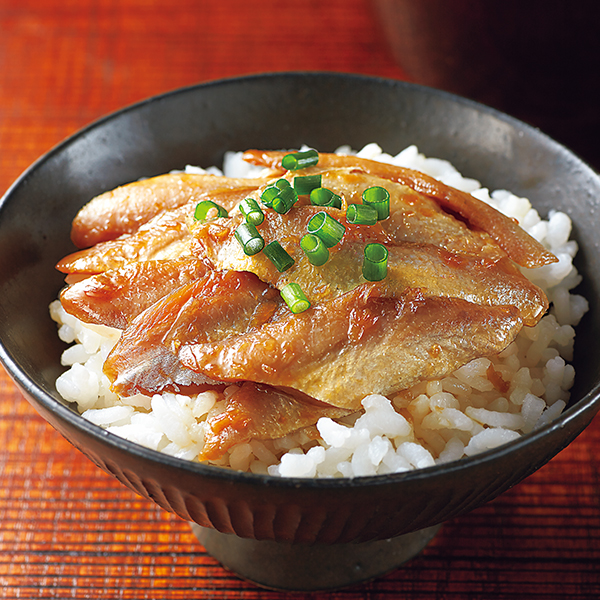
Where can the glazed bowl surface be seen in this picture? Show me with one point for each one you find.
(197, 125)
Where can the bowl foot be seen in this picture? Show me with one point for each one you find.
(298, 567)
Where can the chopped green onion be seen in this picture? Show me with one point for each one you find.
(207, 210)
(361, 214)
(315, 250)
(273, 190)
(284, 201)
(267, 195)
(375, 263)
(282, 184)
(305, 185)
(249, 238)
(300, 160)
(280, 196)
(324, 197)
(294, 297)
(327, 228)
(278, 256)
(251, 211)
(379, 198)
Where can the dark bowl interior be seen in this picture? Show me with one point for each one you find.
(196, 126)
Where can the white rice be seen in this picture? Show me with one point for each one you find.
(433, 422)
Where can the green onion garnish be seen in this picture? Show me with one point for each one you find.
(324, 197)
(280, 196)
(305, 185)
(294, 297)
(251, 211)
(268, 194)
(282, 184)
(284, 201)
(327, 228)
(375, 262)
(361, 214)
(300, 160)
(207, 210)
(278, 256)
(315, 250)
(379, 198)
(249, 238)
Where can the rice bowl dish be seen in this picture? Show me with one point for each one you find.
(432, 422)
(241, 511)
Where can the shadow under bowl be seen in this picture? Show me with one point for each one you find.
(197, 125)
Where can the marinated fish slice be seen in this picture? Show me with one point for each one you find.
(124, 209)
(114, 298)
(144, 359)
(518, 244)
(263, 413)
(216, 241)
(435, 271)
(166, 236)
(341, 350)
(414, 217)
(439, 273)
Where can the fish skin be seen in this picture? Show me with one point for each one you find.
(491, 280)
(164, 236)
(144, 360)
(124, 209)
(518, 244)
(260, 412)
(414, 217)
(336, 351)
(114, 298)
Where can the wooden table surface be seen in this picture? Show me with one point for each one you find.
(68, 530)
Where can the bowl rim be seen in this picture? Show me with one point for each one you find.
(585, 407)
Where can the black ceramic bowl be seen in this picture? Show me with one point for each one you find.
(273, 519)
